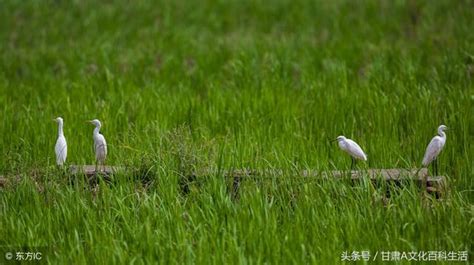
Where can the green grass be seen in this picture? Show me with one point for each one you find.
(184, 85)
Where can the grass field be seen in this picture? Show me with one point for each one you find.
(187, 85)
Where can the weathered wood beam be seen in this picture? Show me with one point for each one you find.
(3, 182)
(388, 174)
(374, 174)
(90, 170)
(92, 175)
(434, 185)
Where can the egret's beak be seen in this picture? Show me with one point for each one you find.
(333, 140)
(88, 121)
(54, 120)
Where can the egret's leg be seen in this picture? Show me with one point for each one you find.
(353, 163)
(436, 167)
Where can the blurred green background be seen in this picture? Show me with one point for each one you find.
(186, 85)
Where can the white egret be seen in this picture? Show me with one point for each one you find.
(100, 146)
(61, 145)
(434, 148)
(352, 148)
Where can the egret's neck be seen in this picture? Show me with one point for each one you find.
(60, 129)
(341, 142)
(442, 134)
(97, 130)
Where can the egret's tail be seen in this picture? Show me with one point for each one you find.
(425, 162)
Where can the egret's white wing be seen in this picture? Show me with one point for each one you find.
(355, 150)
(433, 150)
(61, 150)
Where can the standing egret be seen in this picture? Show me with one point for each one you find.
(434, 148)
(100, 146)
(352, 148)
(61, 145)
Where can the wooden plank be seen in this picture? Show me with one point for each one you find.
(90, 170)
(394, 174)
(93, 176)
(434, 185)
(3, 182)
(388, 174)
